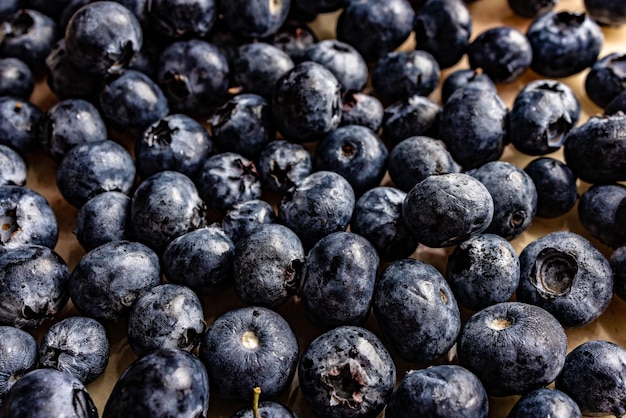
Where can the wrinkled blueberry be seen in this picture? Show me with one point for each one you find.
(18, 355)
(569, 98)
(544, 402)
(283, 164)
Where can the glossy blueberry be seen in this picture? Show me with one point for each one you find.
(103, 218)
(43, 393)
(176, 142)
(165, 383)
(18, 355)
(414, 116)
(165, 206)
(68, 81)
(606, 78)
(12, 167)
(283, 164)
(416, 310)
(267, 409)
(182, 19)
(378, 218)
(346, 372)
(76, 345)
(606, 12)
(465, 77)
(293, 37)
(244, 217)
(446, 209)
(345, 62)
(375, 27)
(417, 157)
(530, 9)
(569, 98)
(255, 18)
(307, 102)
(439, 391)
(563, 43)
(26, 217)
(16, 78)
(566, 275)
(361, 109)
(594, 376)
(544, 403)
(556, 186)
(601, 213)
(322, 203)
(258, 66)
(617, 261)
(20, 123)
(255, 344)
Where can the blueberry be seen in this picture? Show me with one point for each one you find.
(321, 6)
(439, 392)
(606, 78)
(346, 372)
(544, 402)
(255, 18)
(361, 109)
(600, 211)
(48, 7)
(267, 409)
(258, 66)
(245, 217)
(343, 60)
(617, 262)
(293, 38)
(70, 7)
(606, 12)
(18, 355)
(20, 124)
(512, 347)
(283, 165)
(176, 19)
(530, 9)
(103, 218)
(76, 345)
(560, 270)
(165, 383)
(444, 210)
(16, 78)
(254, 344)
(414, 116)
(569, 98)
(13, 168)
(416, 310)
(465, 77)
(9, 7)
(618, 104)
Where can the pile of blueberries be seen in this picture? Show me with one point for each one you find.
(270, 162)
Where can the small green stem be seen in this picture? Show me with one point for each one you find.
(255, 402)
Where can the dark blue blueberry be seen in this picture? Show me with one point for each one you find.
(20, 123)
(244, 217)
(16, 78)
(18, 355)
(283, 165)
(258, 66)
(342, 60)
(361, 109)
(338, 280)
(293, 37)
(161, 384)
(307, 102)
(256, 347)
(346, 373)
(569, 98)
(166, 316)
(267, 409)
(446, 209)
(103, 218)
(201, 259)
(375, 27)
(618, 104)
(414, 116)
(512, 347)
(176, 142)
(319, 6)
(563, 43)
(514, 197)
(193, 75)
(147, 59)
(556, 186)
(530, 9)
(26, 217)
(594, 376)
(165, 206)
(92, 168)
(255, 18)
(601, 213)
(33, 285)
(76, 345)
(482, 271)
(8, 7)
(465, 77)
(182, 19)
(322, 203)
(401, 74)
(68, 123)
(416, 310)
(617, 261)
(606, 78)
(378, 218)
(563, 273)
(68, 11)
(51, 8)
(417, 157)
(44, 393)
(545, 403)
(108, 280)
(443, 28)
(267, 265)
(606, 12)
(12, 167)
(439, 391)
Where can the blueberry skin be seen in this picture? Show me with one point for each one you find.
(569, 98)
(166, 316)
(165, 383)
(255, 18)
(563, 43)
(414, 116)
(400, 75)
(44, 393)
(76, 345)
(544, 402)
(18, 355)
(13, 168)
(322, 203)
(307, 102)
(514, 197)
(68, 123)
(416, 310)
(378, 218)
(361, 109)
(346, 372)
(594, 377)
(293, 38)
(563, 273)
(512, 347)
(463, 78)
(343, 60)
(8, 8)
(176, 142)
(616, 105)
(108, 280)
(601, 213)
(283, 164)
(255, 344)
(473, 126)
(92, 168)
(444, 210)
(257, 67)
(103, 218)
(417, 157)
(482, 271)
(375, 27)
(439, 391)
(175, 20)
(531, 9)
(606, 78)
(606, 12)
(320, 6)
(27, 218)
(617, 261)
(193, 75)
(165, 206)
(267, 409)
(16, 78)
(33, 285)
(20, 123)
(245, 217)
